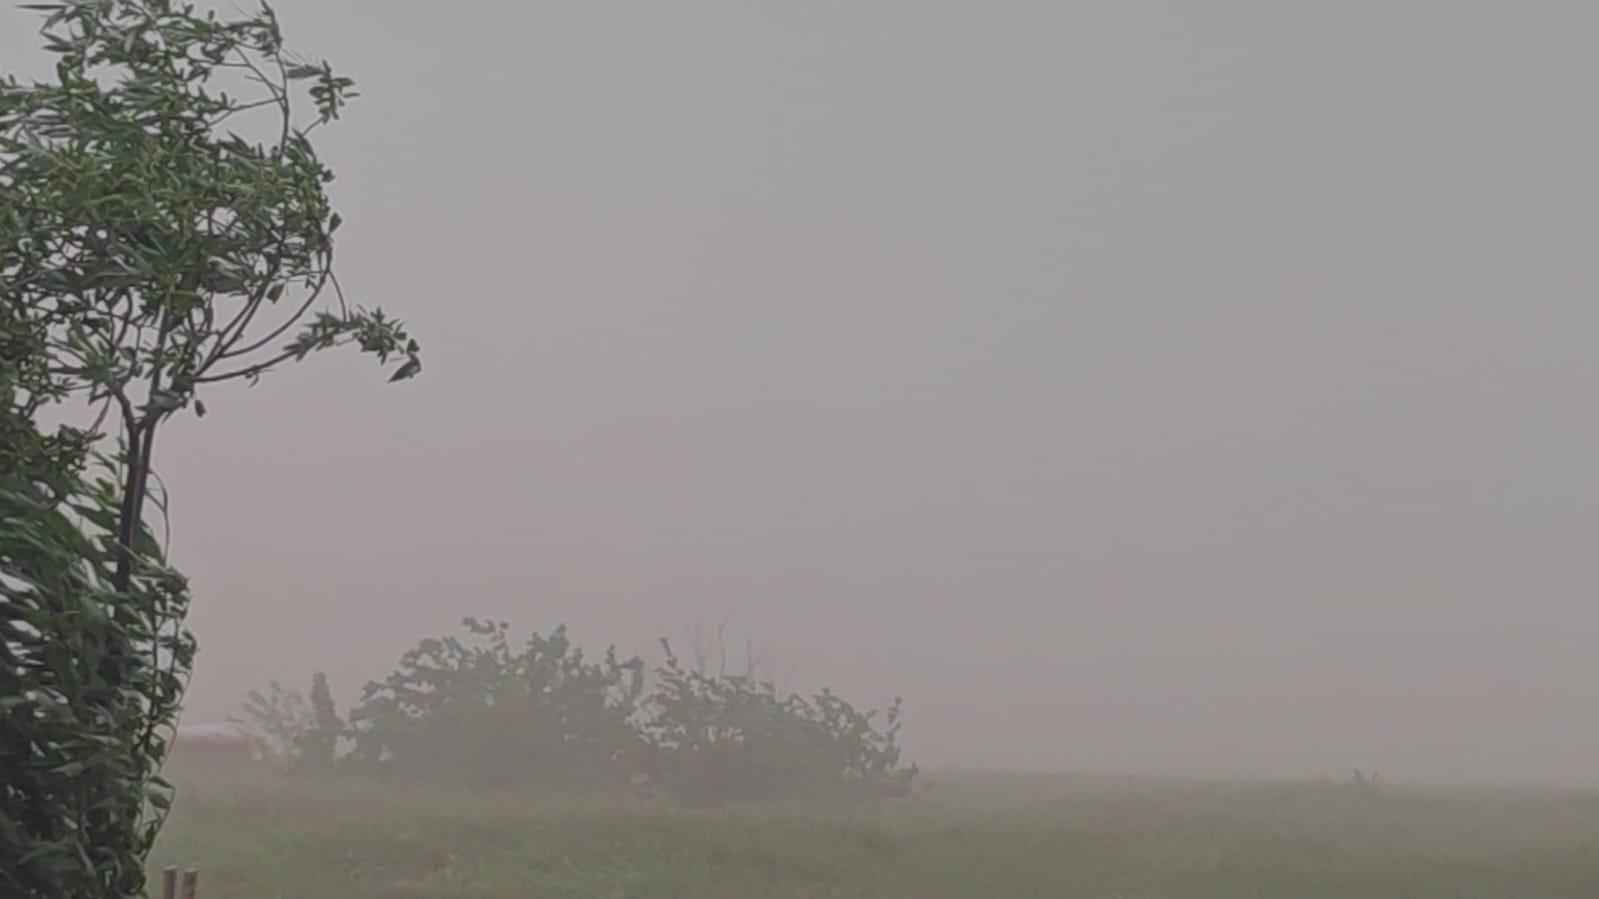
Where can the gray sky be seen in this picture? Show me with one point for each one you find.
(1146, 387)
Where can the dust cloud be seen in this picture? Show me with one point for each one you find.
(1168, 388)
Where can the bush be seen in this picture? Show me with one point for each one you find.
(485, 714)
(720, 738)
(90, 681)
(481, 713)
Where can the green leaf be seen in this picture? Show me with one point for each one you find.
(408, 370)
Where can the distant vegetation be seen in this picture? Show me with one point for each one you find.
(479, 711)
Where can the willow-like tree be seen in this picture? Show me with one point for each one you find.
(164, 227)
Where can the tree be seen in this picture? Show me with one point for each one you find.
(320, 743)
(146, 240)
(164, 227)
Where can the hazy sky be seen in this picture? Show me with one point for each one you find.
(1146, 387)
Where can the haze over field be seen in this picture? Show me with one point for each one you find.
(1165, 388)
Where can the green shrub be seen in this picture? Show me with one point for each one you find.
(90, 680)
(721, 738)
(483, 713)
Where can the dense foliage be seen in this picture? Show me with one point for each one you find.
(163, 226)
(486, 713)
(90, 680)
(483, 712)
(717, 738)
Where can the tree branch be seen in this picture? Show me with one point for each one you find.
(228, 353)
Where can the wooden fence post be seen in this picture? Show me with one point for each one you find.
(191, 883)
(169, 883)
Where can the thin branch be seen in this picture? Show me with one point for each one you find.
(338, 291)
(241, 108)
(260, 367)
(127, 320)
(161, 503)
(105, 410)
(227, 353)
(130, 421)
(280, 95)
(241, 322)
(237, 327)
(234, 329)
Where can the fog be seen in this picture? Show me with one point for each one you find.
(1133, 387)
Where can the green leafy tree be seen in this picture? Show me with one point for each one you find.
(164, 227)
(153, 248)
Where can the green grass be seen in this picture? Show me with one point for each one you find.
(967, 836)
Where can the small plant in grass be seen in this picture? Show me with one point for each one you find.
(1363, 783)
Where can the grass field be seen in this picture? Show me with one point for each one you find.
(967, 836)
